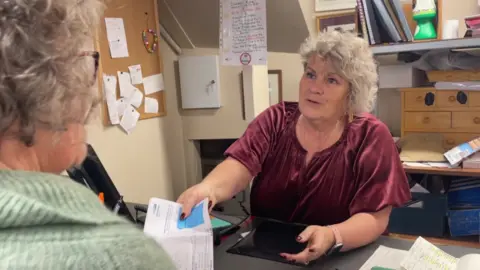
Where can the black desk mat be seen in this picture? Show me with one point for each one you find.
(268, 238)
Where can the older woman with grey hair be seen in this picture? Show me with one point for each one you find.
(47, 92)
(322, 161)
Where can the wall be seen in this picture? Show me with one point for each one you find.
(150, 161)
(227, 122)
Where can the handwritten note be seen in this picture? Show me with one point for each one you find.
(135, 98)
(425, 256)
(117, 39)
(110, 88)
(243, 36)
(121, 106)
(136, 74)
(129, 119)
(126, 87)
(151, 105)
(153, 84)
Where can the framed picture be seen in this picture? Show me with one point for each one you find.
(346, 21)
(275, 87)
(329, 5)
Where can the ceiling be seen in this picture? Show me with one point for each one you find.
(196, 23)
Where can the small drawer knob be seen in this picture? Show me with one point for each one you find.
(476, 120)
(462, 98)
(420, 99)
(426, 120)
(452, 99)
(429, 99)
(450, 142)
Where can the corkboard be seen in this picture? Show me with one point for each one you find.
(137, 16)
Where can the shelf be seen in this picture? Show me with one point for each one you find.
(461, 43)
(443, 171)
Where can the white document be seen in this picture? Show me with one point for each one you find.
(243, 32)
(469, 262)
(109, 89)
(117, 39)
(189, 242)
(153, 84)
(385, 257)
(416, 164)
(121, 106)
(425, 256)
(135, 98)
(129, 119)
(136, 74)
(126, 87)
(180, 251)
(151, 105)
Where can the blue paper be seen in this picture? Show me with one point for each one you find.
(193, 220)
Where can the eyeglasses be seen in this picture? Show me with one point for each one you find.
(96, 58)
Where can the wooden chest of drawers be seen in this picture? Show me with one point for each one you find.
(455, 114)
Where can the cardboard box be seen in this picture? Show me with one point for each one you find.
(459, 153)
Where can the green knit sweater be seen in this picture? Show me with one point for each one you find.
(50, 222)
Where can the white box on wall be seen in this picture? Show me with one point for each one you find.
(199, 82)
(399, 76)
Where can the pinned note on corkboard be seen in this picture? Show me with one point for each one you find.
(135, 66)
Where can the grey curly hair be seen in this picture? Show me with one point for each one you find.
(352, 60)
(44, 82)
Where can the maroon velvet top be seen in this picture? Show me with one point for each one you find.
(362, 172)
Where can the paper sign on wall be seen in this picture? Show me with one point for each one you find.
(136, 98)
(121, 106)
(243, 32)
(126, 87)
(136, 74)
(129, 119)
(110, 88)
(151, 105)
(153, 84)
(117, 39)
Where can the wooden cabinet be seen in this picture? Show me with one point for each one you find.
(427, 120)
(454, 113)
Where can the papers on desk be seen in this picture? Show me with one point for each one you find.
(425, 256)
(428, 164)
(385, 257)
(189, 242)
(422, 256)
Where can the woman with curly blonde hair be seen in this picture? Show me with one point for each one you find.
(323, 161)
(47, 92)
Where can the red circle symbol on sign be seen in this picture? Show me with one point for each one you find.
(245, 58)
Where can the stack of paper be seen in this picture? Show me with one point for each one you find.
(422, 256)
(425, 256)
(385, 257)
(189, 242)
(473, 162)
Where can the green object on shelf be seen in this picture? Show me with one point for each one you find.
(381, 268)
(424, 14)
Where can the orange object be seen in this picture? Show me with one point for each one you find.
(101, 196)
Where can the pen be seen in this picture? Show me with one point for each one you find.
(380, 268)
(117, 205)
(101, 197)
